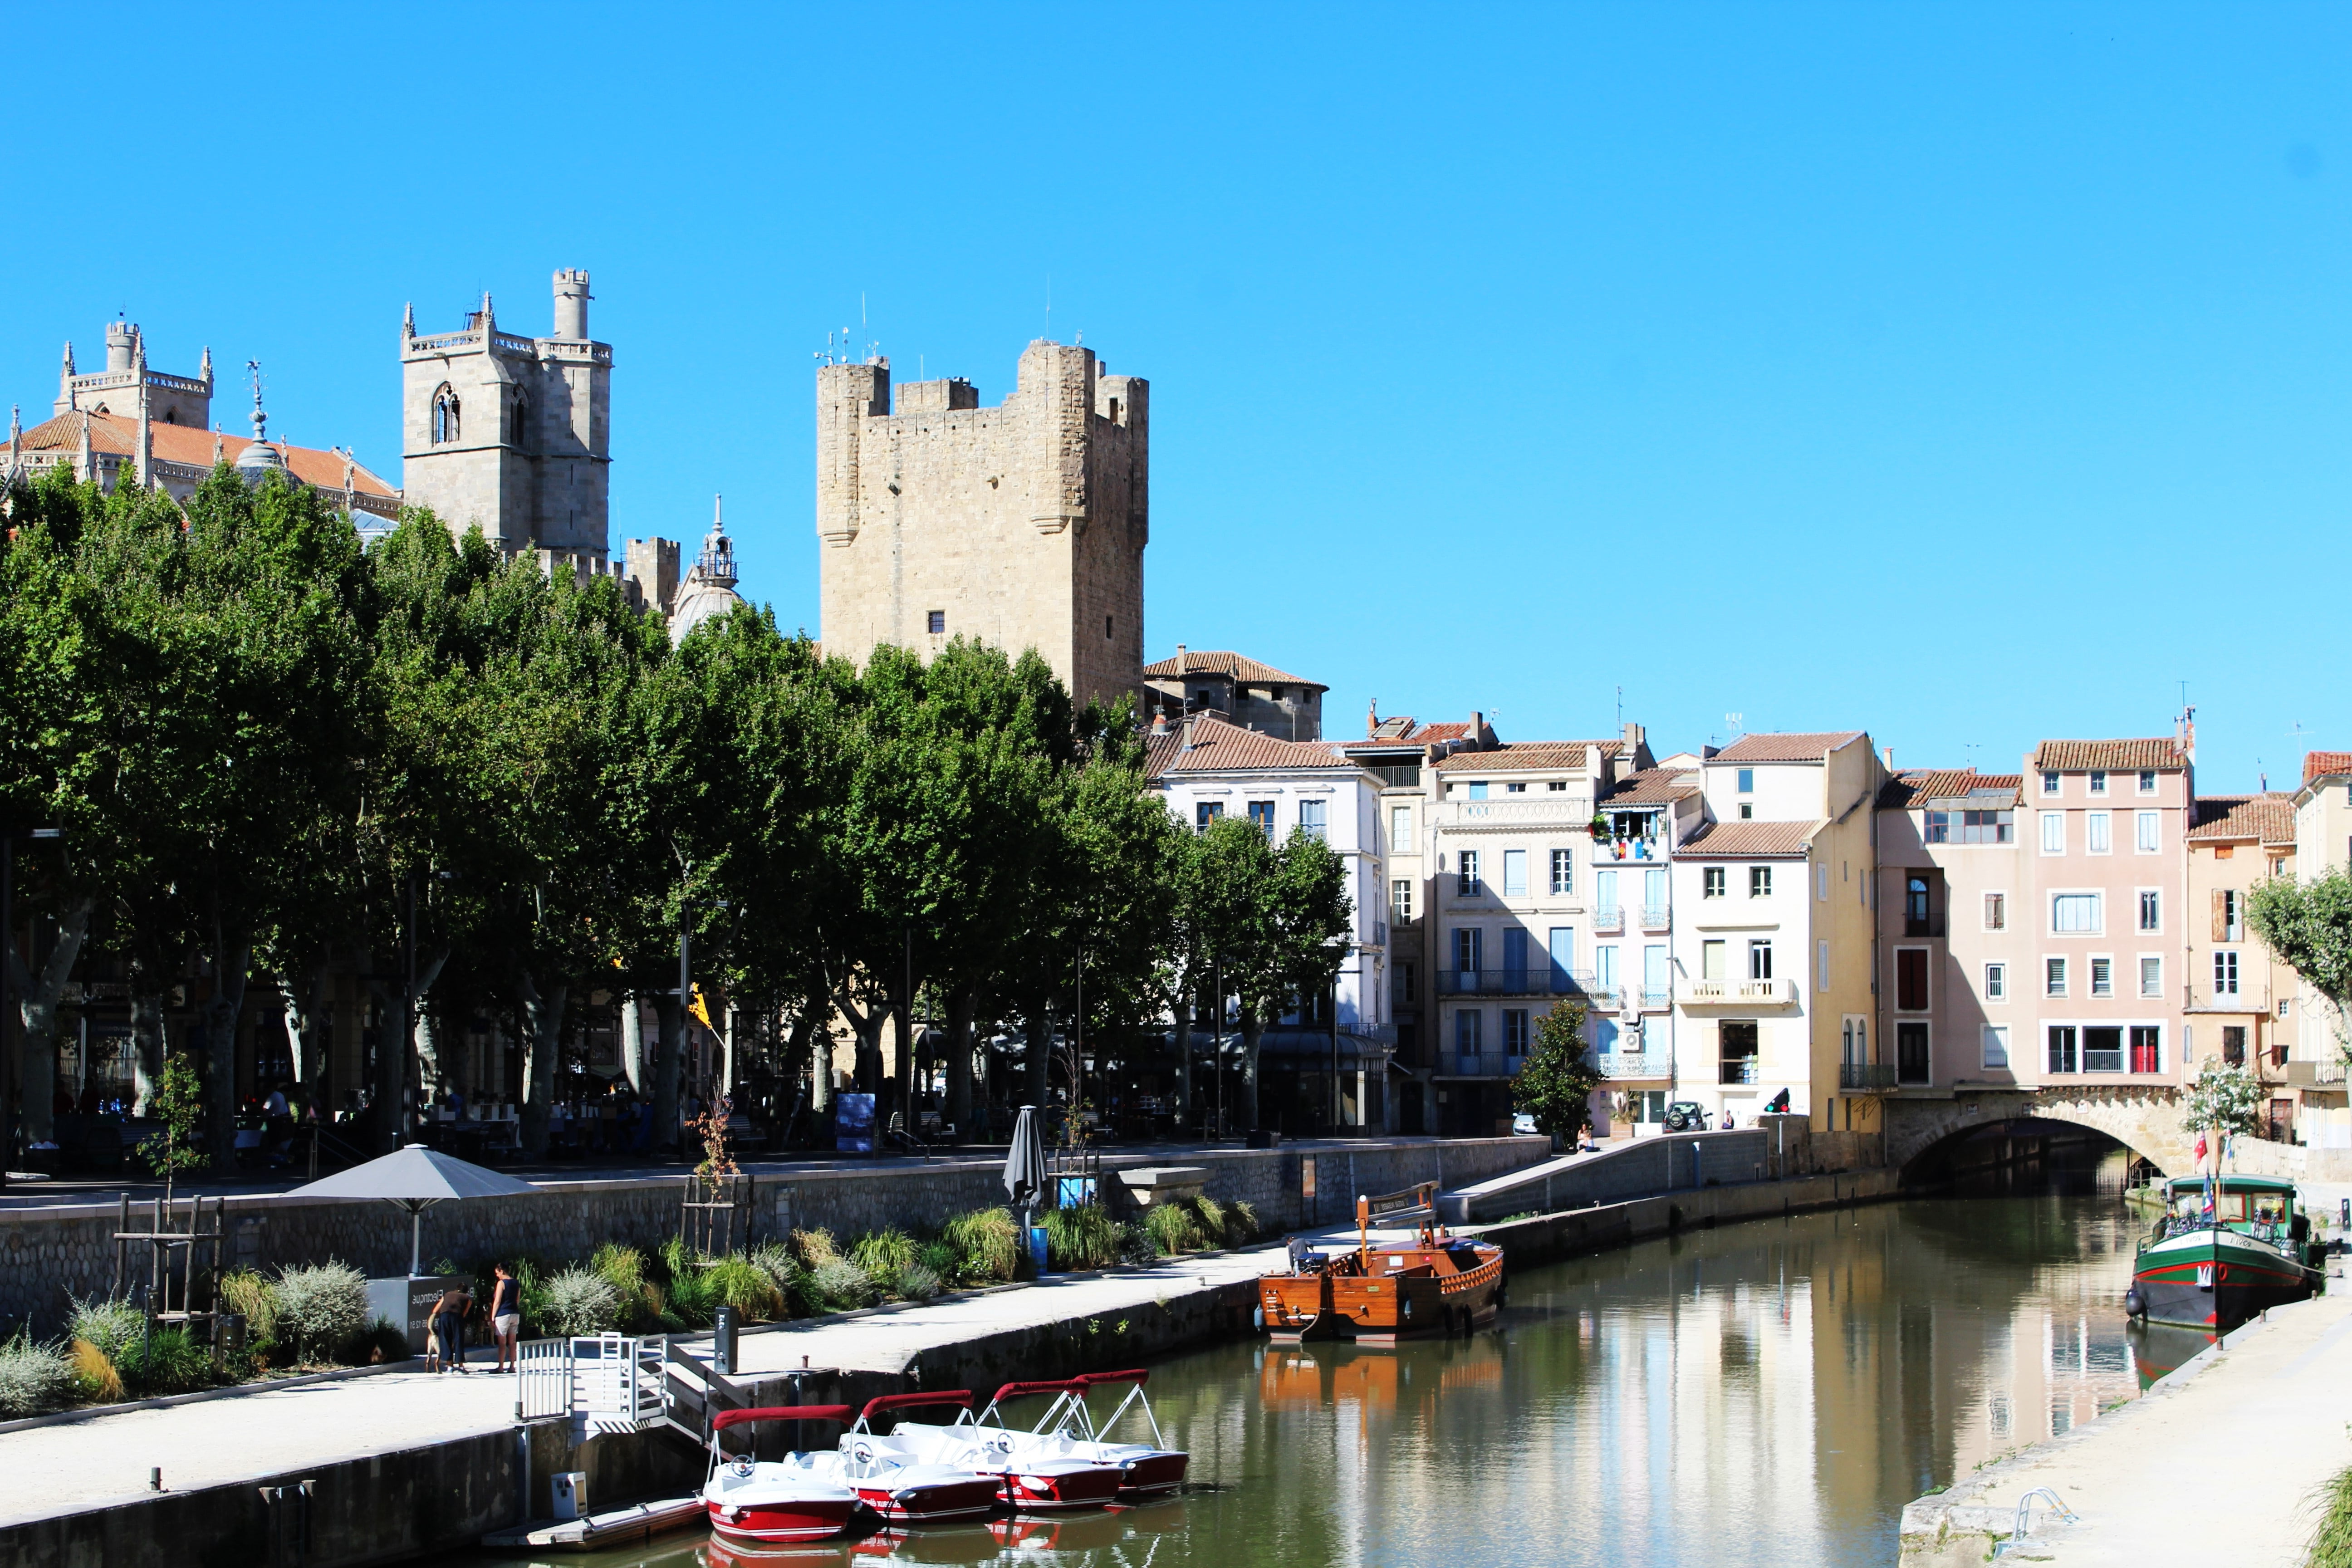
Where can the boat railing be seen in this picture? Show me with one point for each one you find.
(1134, 1396)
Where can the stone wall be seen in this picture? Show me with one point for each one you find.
(48, 1253)
(2143, 1118)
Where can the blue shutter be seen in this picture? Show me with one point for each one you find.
(1515, 957)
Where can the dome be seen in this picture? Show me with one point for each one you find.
(260, 459)
(708, 591)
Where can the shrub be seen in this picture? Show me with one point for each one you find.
(383, 1340)
(792, 1277)
(1172, 1229)
(884, 1255)
(843, 1286)
(256, 1299)
(167, 1362)
(1212, 1215)
(111, 1327)
(94, 1374)
(941, 1259)
(987, 1244)
(745, 1285)
(580, 1301)
(916, 1282)
(624, 1268)
(32, 1377)
(693, 1302)
(1081, 1238)
(1242, 1221)
(2331, 1543)
(814, 1247)
(321, 1306)
(1135, 1244)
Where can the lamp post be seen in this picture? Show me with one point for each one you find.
(7, 940)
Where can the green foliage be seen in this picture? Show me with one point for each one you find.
(2309, 926)
(321, 1306)
(167, 1362)
(944, 1262)
(381, 1341)
(918, 1282)
(251, 1295)
(739, 1283)
(884, 1256)
(2331, 1543)
(987, 1243)
(580, 1301)
(2223, 1099)
(1174, 1228)
(1135, 1244)
(842, 1286)
(1243, 1224)
(112, 1326)
(814, 1247)
(793, 1278)
(33, 1377)
(1555, 1085)
(1212, 1215)
(692, 1299)
(1080, 1238)
(178, 1102)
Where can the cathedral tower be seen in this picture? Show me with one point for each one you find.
(511, 433)
(1022, 525)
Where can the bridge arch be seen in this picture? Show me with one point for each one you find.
(2144, 1119)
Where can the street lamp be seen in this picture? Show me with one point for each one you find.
(7, 940)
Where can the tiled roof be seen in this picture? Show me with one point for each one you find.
(1651, 785)
(2320, 764)
(2266, 819)
(1525, 756)
(1746, 840)
(1231, 666)
(2113, 756)
(185, 443)
(1807, 747)
(1401, 730)
(1917, 787)
(1219, 747)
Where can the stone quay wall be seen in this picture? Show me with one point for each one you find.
(48, 1255)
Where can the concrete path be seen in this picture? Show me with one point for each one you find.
(2217, 1464)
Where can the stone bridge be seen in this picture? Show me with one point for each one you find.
(2143, 1118)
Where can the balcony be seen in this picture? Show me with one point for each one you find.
(1656, 917)
(1482, 1064)
(1923, 925)
(1609, 921)
(1608, 851)
(2301, 1074)
(1866, 1078)
(1535, 980)
(1623, 1066)
(1741, 994)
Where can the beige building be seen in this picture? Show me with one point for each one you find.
(2236, 994)
(1243, 692)
(1953, 949)
(1022, 525)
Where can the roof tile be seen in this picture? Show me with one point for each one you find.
(2320, 764)
(1806, 746)
(1219, 747)
(1231, 666)
(1525, 756)
(1914, 787)
(1651, 785)
(2111, 756)
(1747, 840)
(2265, 818)
(185, 444)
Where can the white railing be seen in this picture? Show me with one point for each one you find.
(613, 1381)
(1721, 993)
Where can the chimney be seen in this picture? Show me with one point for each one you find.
(1160, 720)
(1372, 718)
(1180, 658)
(1632, 737)
(1890, 759)
(1188, 729)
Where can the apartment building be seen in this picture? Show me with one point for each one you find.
(1771, 945)
(2237, 995)
(1638, 823)
(1401, 753)
(1953, 949)
(2322, 843)
(1516, 912)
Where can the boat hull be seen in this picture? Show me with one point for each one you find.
(1383, 1308)
(781, 1519)
(934, 1502)
(1059, 1489)
(2216, 1282)
(1157, 1474)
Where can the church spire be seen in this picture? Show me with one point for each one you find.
(88, 461)
(146, 429)
(65, 380)
(204, 371)
(408, 319)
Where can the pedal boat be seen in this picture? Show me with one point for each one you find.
(801, 1497)
(2214, 1269)
(895, 1476)
(1438, 1284)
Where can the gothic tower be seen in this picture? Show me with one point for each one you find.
(508, 432)
(1022, 525)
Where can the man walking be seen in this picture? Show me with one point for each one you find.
(506, 1317)
(449, 1324)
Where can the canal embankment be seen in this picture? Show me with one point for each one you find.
(2221, 1461)
(405, 1464)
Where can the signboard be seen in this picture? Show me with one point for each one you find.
(408, 1303)
(1307, 1176)
(853, 1123)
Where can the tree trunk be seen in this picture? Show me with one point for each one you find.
(633, 1043)
(542, 1031)
(903, 1016)
(304, 1019)
(811, 1051)
(230, 962)
(148, 983)
(958, 1110)
(1253, 1031)
(36, 996)
(1183, 1095)
(1040, 1050)
(669, 1065)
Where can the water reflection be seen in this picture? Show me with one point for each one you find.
(1762, 1394)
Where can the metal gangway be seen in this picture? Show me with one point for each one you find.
(621, 1382)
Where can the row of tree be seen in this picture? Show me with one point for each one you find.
(271, 752)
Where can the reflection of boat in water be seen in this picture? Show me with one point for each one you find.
(2215, 1267)
(1087, 1532)
(718, 1551)
(1299, 1376)
(1434, 1284)
(2159, 1350)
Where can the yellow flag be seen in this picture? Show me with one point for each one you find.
(701, 1012)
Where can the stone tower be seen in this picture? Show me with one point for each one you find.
(118, 388)
(1022, 525)
(511, 433)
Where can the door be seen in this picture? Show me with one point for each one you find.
(1604, 896)
(1515, 959)
(1655, 984)
(1911, 1052)
(1563, 958)
(1911, 979)
(1653, 897)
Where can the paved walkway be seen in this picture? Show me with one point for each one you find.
(2217, 1467)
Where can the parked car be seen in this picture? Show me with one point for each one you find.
(1523, 1124)
(1687, 1116)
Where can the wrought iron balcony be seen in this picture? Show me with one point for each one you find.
(1656, 917)
(1538, 979)
(1609, 921)
(1866, 1077)
(1483, 1064)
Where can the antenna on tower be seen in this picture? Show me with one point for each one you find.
(1734, 721)
(1049, 307)
(1620, 709)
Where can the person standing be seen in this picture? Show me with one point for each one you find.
(506, 1318)
(449, 1323)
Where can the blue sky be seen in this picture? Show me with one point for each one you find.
(1966, 373)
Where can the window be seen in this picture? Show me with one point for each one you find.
(2074, 914)
(1400, 829)
(1747, 810)
(2229, 915)
(2151, 909)
(1821, 966)
(2146, 835)
(2098, 781)
(1604, 967)
(2234, 1045)
(1465, 1031)
(1915, 911)
(1563, 871)
(1206, 812)
(1987, 828)
(2102, 977)
(444, 415)
(1514, 789)
(1514, 873)
(2147, 781)
(2096, 835)
(1105, 628)
(1821, 883)
(1996, 982)
(1657, 984)
(1604, 896)
(1312, 818)
(1911, 979)
(2148, 1047)
(936, 621)
(1401, 900)
(1737, 1043)
(1996, 912)
(1911, 1053)
(1262, 814)
(1465, 885)
(1469, 949)
(2225, 973)
(1558, 786)
(2053, 977)
(1515, 1031)
(1747, 781)
(1711, 882)
(1996, 1045)
(2049, 783)
(2151, 975)
(2278, 865)
(1560, 943)
(1400, 985)
(1478, 789)
(1711, 960)
(1760, 958)
(1938, 828)
(2103, 1048)
(1760, 881)
(2061, 1047)
(2053, 833)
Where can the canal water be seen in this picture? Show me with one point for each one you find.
(1769, 1393)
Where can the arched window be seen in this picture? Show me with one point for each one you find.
(444, 415)
(520, 422)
